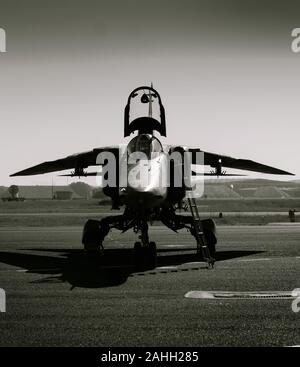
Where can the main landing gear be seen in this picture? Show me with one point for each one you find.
(204, 232)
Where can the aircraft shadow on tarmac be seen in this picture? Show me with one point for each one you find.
(110, 269)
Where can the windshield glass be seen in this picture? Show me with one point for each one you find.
(144, 103)
(147, 144)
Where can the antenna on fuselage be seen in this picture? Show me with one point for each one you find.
(150, 102)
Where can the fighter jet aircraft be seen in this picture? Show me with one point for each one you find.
(149, 179)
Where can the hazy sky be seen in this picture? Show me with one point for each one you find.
(225, 71)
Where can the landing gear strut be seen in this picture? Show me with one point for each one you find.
(145, 253)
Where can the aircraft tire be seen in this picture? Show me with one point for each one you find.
(138, 256)
(209, 229)
(91, 235)
(212, 249)
(152, 255)
(145, 257)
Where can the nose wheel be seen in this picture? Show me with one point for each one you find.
(145, 256)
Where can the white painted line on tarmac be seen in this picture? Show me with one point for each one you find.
(37, 270)
(43, 230)
(246, 260)
(239, 295)
(6, 270)
(292, 346)
(173, 246)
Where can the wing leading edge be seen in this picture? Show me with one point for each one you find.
(218, 161)
(76, 161)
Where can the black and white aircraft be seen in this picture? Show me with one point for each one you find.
(166, 172)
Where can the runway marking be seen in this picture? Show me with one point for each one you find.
(292, 346)
(245, 260)
(171, 269)
(239, 295)
(182, 246)
(166, 271)
(55, 270)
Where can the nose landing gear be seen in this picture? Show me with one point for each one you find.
(145, 253)
(145, 256)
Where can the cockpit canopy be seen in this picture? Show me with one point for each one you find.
(144, 112)
(146, 144)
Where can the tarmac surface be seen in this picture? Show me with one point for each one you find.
(56, 296)
(103, 213)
